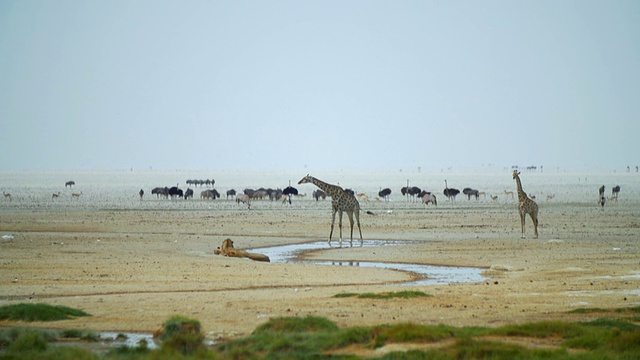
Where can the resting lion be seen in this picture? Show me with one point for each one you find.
(228, 250)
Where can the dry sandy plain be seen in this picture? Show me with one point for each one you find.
(132, 269)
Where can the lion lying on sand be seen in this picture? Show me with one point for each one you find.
(228, 250)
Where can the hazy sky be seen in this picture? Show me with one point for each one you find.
(318, 84)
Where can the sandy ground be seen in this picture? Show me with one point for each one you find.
(134, 268)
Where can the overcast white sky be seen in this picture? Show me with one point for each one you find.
(318, 84)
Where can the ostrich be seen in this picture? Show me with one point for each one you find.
(384, 193)
(450, 193)
(414, 191)
(141, 193)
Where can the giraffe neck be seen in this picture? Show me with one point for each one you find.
(332, 190)
(521, 194)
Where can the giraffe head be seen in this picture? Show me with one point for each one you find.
(306, 179)
(516, 173)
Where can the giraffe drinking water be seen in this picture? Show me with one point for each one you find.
(341, 201)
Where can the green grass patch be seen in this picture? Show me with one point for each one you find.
(385, 295)
(38, 312)
(630, 310)
(313, 337)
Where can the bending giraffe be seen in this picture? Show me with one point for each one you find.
(340, 201)
(526, 206)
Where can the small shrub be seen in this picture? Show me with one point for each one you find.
(182, 334)
(28, 341)
(296, 325)
(38, 312)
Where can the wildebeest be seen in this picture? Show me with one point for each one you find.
(471, 192)
(260, 194)
(164, 191)
(319, 194)
(231, 192)
(69, 183)
(429, 198)
(209, 194)
(245, 199)
(188, 194)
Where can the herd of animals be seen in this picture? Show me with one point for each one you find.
(346, 200)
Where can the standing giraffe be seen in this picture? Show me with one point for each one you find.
(526, 206)
(340, 201)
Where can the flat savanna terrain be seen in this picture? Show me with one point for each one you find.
(132, 268)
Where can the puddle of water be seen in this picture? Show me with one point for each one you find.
(432, 275)
(129, 340)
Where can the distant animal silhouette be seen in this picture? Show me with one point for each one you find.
(188, 193)
(615, 191)
(175, 192)
(384, 193)
(471, 192)
(341, 201)
(602, 200)
(494, 197)
(76, 195)
(69, 183)
(509, 193)
(450, 193)
(526, 206)
(429, 198)
(7, 196)
(245, 199)
(231, 193)
(55, 195)
(141, 193)
(317, 194)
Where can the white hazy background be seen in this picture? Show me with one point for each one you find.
(313, 85)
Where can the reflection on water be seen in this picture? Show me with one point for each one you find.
(128, 339)
(430, 275)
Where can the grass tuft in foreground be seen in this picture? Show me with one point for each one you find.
(385, 295)
(38, 312)
(314, 337)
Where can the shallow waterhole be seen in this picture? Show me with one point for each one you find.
(429, 274)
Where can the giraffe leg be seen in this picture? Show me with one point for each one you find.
(534, 217)
(340, 226)
(359, 229)
(522, 215)
(350, 214)
(333, 221)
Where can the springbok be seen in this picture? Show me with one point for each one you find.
(76, 195)
(7, 195)
(55, 195)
